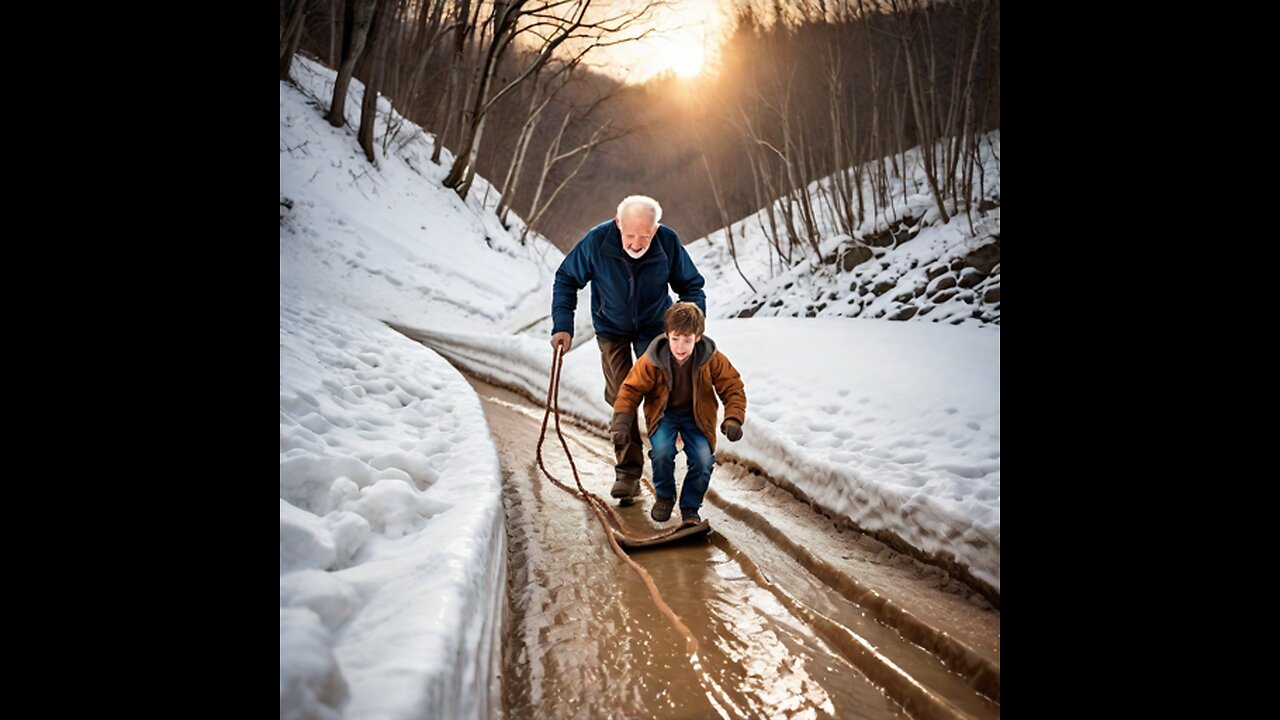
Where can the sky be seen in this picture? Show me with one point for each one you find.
(392, 549)
(687, 35)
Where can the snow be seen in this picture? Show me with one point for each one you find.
(391, 241)
(392, 547)
(894, 282)
(392, 550)
(896, 425)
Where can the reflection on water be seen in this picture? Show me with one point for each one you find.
(758, 658)
(585, 640)
(774, 681)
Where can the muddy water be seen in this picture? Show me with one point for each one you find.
(585, 639)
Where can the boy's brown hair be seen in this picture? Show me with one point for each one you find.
(684, 318)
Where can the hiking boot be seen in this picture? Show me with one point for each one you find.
(625, 488)
(689, 515)
(661, 511)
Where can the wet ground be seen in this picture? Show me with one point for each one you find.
(792, 616)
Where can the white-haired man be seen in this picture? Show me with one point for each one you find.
(630, 262)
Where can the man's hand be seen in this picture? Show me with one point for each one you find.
(620, 429)
(562, 340)
(732, 429)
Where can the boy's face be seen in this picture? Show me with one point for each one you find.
(682, 345)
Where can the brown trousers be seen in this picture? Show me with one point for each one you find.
(615, 358)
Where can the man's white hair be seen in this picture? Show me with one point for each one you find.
(643, 201)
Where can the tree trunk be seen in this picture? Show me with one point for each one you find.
(969, 126)
(424, 46)
(926, 138)
(362, 14)
(335, 27)
(377, 61)
(765, 203)
(463, 29)
(507, 24)
(585, 150)
(292, 36)
(512, 180)
(472, 131)
(724, 216)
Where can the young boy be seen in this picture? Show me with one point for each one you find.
(679, 377)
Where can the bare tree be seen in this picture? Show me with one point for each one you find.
(841, 192)
(383, 16)
(969, 132)
(464, 25)
(359, 13)
(921, 107)
(553, 22)
(555, 155)
(815, 123)
(704, 109)
(421, 48)
(335, 27)
(291, 35)
(539, 99)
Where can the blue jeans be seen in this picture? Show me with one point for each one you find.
(697, 451)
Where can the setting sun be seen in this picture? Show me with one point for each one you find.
(685, 60)
(679, 36)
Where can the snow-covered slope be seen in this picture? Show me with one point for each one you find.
(906, 266)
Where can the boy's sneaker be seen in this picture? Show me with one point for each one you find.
(625, 488)
(661, 511)
(690, 515)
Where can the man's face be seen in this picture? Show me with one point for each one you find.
(637, 227)
(682, 345)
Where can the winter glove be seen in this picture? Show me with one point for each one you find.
(620, 429)
(563, 340)
(732, 429)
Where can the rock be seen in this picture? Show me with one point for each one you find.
(854, 256)
(881, 239)
(992, 295)
(942, 283)
(904, 313)
(943, 296)
(984, 259)
(970, 277)
(883, 287)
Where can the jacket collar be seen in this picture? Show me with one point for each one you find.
(659, 352)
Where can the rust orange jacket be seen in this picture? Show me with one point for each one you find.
(650, 379)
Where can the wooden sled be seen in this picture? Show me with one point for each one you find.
(686, 530)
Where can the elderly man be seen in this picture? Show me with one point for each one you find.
(629, 261)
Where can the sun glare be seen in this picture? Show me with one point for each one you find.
(680, 37)
(685, 60)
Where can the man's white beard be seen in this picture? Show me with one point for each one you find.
(634, 255)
